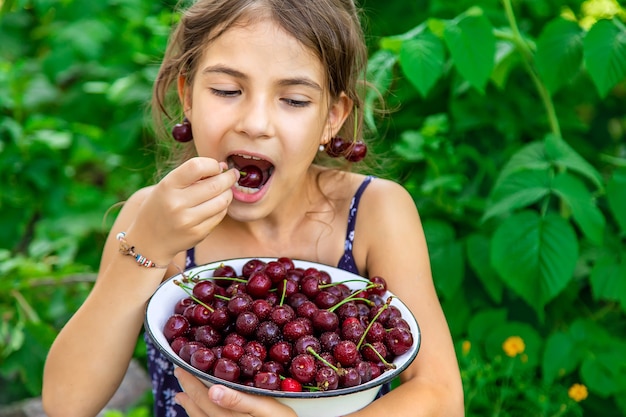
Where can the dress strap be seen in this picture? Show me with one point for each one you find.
(190, 259)
(347, 260)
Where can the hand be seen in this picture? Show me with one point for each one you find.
(183, 208)
(219, 400)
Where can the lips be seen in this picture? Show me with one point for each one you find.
(255, 171)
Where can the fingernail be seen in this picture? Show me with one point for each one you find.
(223, 166)
(217, 393)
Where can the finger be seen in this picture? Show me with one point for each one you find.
(192, 409)
(211, 187)
(247, 404)
(194, 170)
(194, 399)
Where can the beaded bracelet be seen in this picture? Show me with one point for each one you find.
(127, 249)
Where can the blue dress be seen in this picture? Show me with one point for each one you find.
(165, 386)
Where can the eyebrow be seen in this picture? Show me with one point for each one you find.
(222, 69)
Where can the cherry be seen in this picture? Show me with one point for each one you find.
(268, 333)
(267, 380)
(305, 342)
(249, 365)
(208, 336)
(251, 176)
(290, 385)
(295, 329)
(246, 323)
(281, 352)
(181, 305)
(233, 351)
(282, 314)
(326, 378)
(251, 266)
(175, 326)
(325, 321)
(399, 340)
(178, 343)
(225, 271)
(356, 152)
(346, 353)
(262, 308)
(303, 368)
(255, 348)
(273, 366)
(226, 369)
(188, 349)
(258, 285)
(203, 359)
(204, 291)
(380, 285)
(276, 271)
(350, 377)
(336, 147)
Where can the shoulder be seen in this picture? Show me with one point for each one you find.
(386, 197)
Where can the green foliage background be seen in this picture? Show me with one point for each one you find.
(508, 127)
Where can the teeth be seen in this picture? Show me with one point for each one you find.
(250, 157)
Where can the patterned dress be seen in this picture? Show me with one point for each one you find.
(165, 385)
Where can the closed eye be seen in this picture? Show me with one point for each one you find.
(296, 103)
(225, 93)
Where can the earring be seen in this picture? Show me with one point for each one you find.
(336, 147)
(182, 131)
(352, 151)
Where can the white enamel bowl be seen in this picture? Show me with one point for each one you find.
(306, 404)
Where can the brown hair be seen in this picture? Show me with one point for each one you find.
(329, 28)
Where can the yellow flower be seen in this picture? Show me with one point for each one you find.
(466, 347)
(513, 346)
(578, 392)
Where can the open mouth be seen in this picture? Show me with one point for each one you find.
(254, 171)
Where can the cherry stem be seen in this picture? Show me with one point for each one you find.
(333, 284)
(369, 326)
(193, 297)
(384, 362)
(353, 296)
(282, 297)
(324, 361)
(243, 173)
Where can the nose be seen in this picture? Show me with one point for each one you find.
(255, 119)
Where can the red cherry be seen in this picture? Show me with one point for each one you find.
(290, 385)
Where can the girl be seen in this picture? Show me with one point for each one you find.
(264, 86)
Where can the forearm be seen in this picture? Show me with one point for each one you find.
(88, 359)
(417, 398)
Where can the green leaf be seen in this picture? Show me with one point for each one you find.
(605, 55)
(379, 74)
(535, 256)
(559, 53)
(472, 45)
(518, 190)
(607, 279)
(422, 61)
(599, 372)
(483, 321)
(616, 196)
(505, 61)
(582, 204)
(564, 155)
(478, 249)
(560, 357)
(446, 256)
(530, 157)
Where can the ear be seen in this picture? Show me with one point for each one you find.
(339, 111)
(184, 93)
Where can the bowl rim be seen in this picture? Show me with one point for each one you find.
(372, 384)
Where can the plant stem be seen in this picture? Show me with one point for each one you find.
(527, 58)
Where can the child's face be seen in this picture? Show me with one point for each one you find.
(258, 92)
